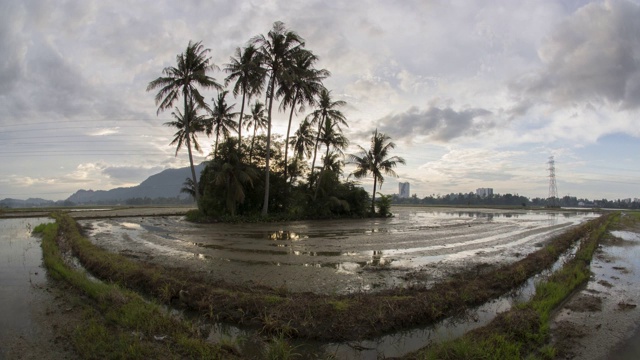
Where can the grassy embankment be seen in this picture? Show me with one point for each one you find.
(118, 323)
(327, 317)
(523, 332)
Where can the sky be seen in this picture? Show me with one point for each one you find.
(474, 93)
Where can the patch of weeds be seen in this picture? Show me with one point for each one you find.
(39, 229)
(279, 349)
(339, 305)
(273, 299)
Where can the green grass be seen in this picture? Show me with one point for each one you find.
(279, 349)
(120, 324)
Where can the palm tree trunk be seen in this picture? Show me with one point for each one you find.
(315, 195)
(188, 135)
(315, 150)
(286, 140)
(240, 126)
(215, 147)
(265, 205)
(193, 172)
(373, 196)
(253, 140)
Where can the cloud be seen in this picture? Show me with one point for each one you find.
(130, 174)
(592, 57)
(438, 124)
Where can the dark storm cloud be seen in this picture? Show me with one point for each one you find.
(440, 124)
(594, 56)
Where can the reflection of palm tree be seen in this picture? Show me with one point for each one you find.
(246, 70)
(327, 110)
(376, 258)
(191, 71)
(375, 161)
(277, 50)
(221, 121)
(256, 120)
(301, 84)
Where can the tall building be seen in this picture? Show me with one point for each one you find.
(484, 192)
(404, 190)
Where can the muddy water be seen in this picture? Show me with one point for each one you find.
(21, 271)
(417, 246)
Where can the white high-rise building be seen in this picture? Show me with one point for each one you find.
(484, 192)
(404, 190)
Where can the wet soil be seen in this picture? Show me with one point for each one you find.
(602, 321)
(417, 246)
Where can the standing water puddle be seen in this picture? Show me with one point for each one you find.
(20, 272)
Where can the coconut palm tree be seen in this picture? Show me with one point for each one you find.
(245, 68)
(221, 121)
(183, 81)
(303, 140)
(277, 50)
(186, 135)
(331, 136)
(233, 176)
(257, 121)
(326, 110)
(375, 161)
(301, 84)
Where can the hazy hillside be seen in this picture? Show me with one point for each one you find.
(31, 202)
(165, 184)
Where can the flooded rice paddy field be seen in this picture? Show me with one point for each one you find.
(416, 246)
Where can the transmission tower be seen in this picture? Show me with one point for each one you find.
(552, 200)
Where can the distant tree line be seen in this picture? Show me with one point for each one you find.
(512, 200)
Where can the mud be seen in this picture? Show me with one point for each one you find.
(417, 246)
(603, 321)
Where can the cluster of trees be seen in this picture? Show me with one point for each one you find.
(466, 199)
(263, 170)
(513, 200)
(572, 201)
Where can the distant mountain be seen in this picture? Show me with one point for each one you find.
(31, 202)
(166, 184)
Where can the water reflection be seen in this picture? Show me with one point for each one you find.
(286, 235)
